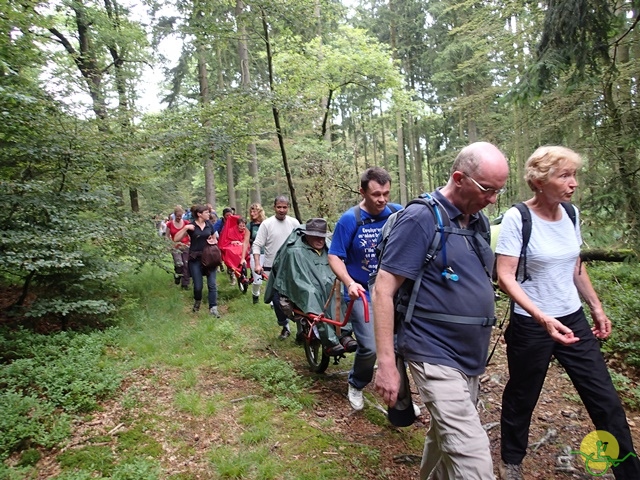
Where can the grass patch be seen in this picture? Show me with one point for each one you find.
(194, 387)
(92, 458)
(136, 443)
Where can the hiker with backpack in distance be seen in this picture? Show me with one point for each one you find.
(352, 258)
(445, 248)
(539, 267)
(201, 232)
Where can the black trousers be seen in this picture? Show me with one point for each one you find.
(529, 351)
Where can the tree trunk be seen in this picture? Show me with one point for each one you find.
(402, 170)
(243, 54)
(276, 119)
(209, 162)
(385, 161)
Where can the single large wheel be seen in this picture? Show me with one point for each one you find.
(316, 357)
(243, 281)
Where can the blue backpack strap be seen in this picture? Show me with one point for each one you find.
(436, 242)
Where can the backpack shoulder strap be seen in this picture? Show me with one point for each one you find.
(360, 222)
(526, 235)
(436, 242)
(486, 228)
(357, 214)
(571, 211)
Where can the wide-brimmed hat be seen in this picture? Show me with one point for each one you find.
(316, 227)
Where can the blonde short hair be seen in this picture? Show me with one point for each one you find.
(546, 160)
(257, 207)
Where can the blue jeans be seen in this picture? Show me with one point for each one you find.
(195, 267)
(361, 373)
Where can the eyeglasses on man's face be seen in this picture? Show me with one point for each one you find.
(487, 190)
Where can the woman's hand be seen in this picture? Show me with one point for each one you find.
(558, 331)
(601, 324)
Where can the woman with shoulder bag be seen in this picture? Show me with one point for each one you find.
(201, 232)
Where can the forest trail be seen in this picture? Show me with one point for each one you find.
(559, 424)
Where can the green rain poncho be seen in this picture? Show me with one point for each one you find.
(303, 275)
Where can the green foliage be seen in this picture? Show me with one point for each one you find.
(627, 389)
(617, 287)
(137, 469)
(135, 443)
(92, 458)
(63, 235)
(47, 378)
(68, 370)
(26, 421)
(29, 457)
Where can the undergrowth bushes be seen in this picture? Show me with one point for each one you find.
(44, 378)
(617, 287)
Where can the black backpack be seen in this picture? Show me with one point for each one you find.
(521, 270)
(405, 298)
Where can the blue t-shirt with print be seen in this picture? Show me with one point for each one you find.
(356, 244)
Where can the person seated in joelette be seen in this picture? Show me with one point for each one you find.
(231, 240)
(301, 275)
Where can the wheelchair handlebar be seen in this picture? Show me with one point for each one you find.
(321, 318)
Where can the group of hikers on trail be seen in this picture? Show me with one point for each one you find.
(428, 276)
(191, 239)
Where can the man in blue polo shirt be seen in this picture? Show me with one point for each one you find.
(446, 340)
(352, 257)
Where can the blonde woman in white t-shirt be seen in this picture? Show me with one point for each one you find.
(548, 319)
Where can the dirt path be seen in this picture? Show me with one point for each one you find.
(559, 423)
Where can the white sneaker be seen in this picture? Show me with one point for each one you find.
(416, 410)
(214, 311)
(356, 399)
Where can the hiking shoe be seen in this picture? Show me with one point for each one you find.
(185, 287)
(176, 279)
(256, 299)
(510, 471)
(335, 350)
(196, 306)
(356, 399)
(214, 311)
(233, 280)
(349, 343)
(284, 334)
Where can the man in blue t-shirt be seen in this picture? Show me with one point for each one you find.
(352, 257)
(445, 341)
